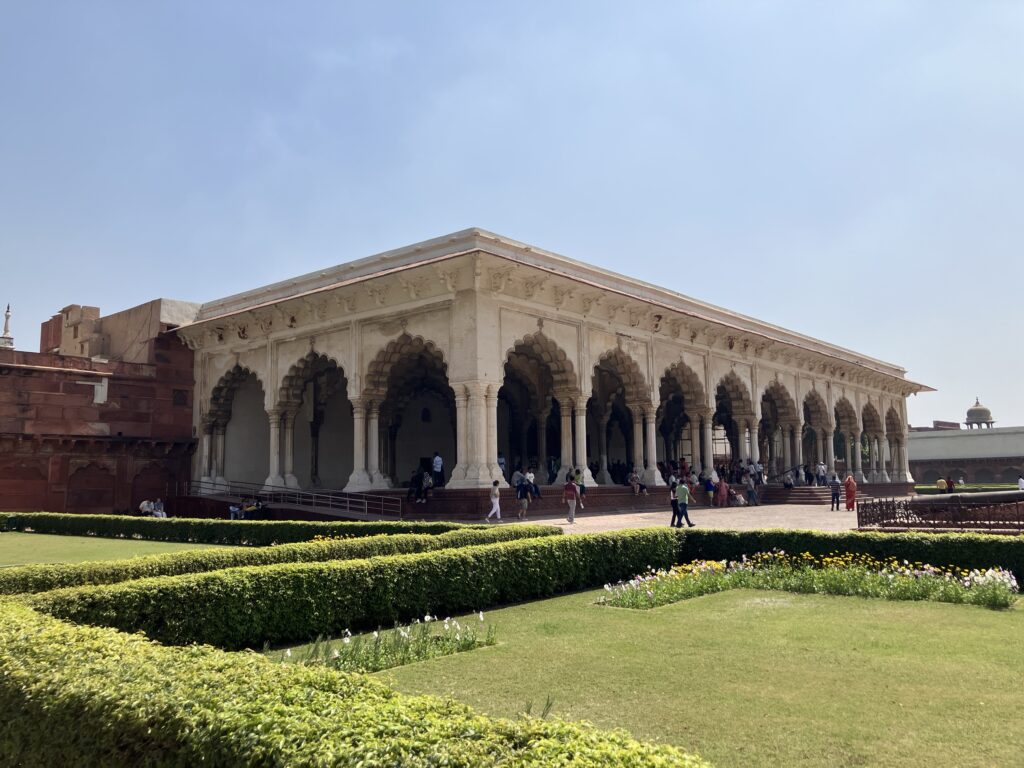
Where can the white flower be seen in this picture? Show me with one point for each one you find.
(376, 634)
(346, 640)
(335, 653)
(481, 615)
(427, 618)
(288, 653)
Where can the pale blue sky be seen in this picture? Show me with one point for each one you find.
(851, 170)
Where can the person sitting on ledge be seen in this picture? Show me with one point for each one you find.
(638, 487)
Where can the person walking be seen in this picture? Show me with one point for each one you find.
(834, 485)
(851, 492)
(579, 483)
(523, 498)
(495, 502)
(571, 496)
(751, 491)
(680, 497)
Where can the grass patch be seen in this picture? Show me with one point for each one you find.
(757, 678)
(27, 548)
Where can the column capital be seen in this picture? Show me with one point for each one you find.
(274, 414)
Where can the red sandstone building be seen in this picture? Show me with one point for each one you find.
(101, 417)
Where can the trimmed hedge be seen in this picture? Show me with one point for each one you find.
(968, 550)
(247, 607)
(89, 697)
(40, 578)
(207, 531)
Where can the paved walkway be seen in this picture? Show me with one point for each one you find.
(795, 516)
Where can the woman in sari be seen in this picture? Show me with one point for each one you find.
(722, 493)
(851, 491)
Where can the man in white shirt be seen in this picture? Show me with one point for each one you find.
(1020, 483)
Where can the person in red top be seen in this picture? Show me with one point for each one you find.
(851, 491)
(571, 496)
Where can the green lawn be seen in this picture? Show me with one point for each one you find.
(761, 678)
(25, 548)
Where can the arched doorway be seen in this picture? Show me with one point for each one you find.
(817, 437)
(538, 396)
(899, 472)
(317, 424)
(847, 440)
(777, 432)
(90, 490)
(873, 435)
(618, 388)
(682, 401)
(734, 413)
(240, 428)
(410, 412)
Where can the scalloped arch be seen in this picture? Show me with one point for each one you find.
(223, 394)
(615, 372)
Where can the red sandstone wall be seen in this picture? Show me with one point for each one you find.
(61, 451)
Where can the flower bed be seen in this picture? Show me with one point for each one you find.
(419, 641)
(835, 574)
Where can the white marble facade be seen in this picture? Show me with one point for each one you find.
(473, 344)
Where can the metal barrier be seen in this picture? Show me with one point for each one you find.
(948, 513)
(323, 502)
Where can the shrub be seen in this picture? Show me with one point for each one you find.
(88, 697)
(969, 550)
(39, 578)
(246, 607)
(206, 531)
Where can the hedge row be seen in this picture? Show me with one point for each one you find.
(247, 607)
(88, 697)
(968, 550)
(206, 531)
(40, 578)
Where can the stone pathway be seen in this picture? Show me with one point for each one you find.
(792, 516)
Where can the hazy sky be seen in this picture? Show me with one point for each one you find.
(850, 170)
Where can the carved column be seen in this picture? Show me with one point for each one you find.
(652, 476)
(289, 450)
(695, 441)
(830, 459)
(603, 475)
(743, 440)
(858, 469)
(491, 460)
(883, 459)
(206, 457)
(638, 439)
(820, 433)
(580, 412)
(904, 459)
(708, 460)
(378, 479)
(798, 445)
(565, 457)
(458, 472)
(360, 479)
(542, 446)
(787, 455)
(274, 477)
